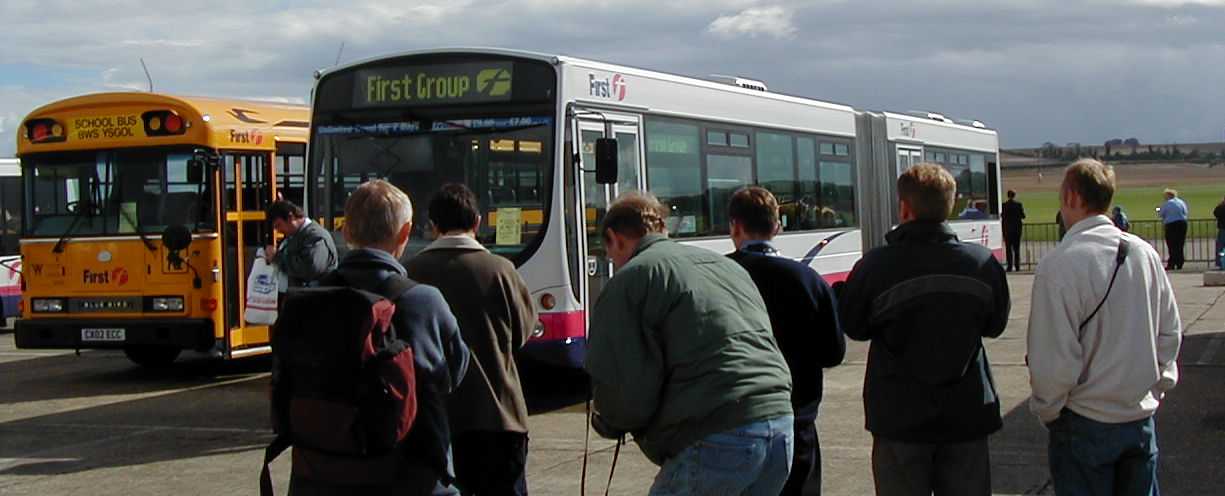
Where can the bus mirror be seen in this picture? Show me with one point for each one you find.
(176, 238)
(195, 170)
(606, 161)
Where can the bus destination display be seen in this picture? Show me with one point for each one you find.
(111, 126)
(433, 84)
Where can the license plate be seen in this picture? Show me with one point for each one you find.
(109, 335)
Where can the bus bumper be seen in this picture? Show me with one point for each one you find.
(568, 353)
(191, 334)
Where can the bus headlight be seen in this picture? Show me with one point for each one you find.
(47, 305)
(167, 304)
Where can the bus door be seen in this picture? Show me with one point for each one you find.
(248, 192)
(597, 197)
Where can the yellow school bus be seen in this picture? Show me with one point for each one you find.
(143, 213)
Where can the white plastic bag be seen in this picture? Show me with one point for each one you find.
(261, 292)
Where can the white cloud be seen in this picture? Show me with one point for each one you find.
(753, 22)
(163, 43)
(111, 81)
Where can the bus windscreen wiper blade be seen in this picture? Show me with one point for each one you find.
(139, 230)
(82, 209)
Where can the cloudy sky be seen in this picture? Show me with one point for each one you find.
(1037, 70)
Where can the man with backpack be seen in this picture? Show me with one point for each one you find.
(363, 365)
(926, 300)
(488, 413)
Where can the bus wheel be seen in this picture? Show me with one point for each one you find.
(152, 356)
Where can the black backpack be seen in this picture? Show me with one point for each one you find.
(344, 390)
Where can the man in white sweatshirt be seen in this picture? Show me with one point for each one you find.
(1098, 374)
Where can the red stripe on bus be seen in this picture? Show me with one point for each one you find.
(836, 277)
(561, 325)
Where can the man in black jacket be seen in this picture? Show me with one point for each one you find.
(1219, 213)
(925, 301)
(803, 315)
(1011, 218)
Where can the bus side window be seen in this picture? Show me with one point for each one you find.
(291, 172)
(10, 214)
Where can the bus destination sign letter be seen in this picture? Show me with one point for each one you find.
(433, 84)
(106, 127)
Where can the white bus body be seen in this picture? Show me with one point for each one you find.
(690, 141)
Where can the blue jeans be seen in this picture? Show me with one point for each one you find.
(1095, 458)
(753, 459)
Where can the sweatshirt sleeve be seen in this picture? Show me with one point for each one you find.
(832, 342)
(440, 354)
(1003, 300)
(522, 309)
(1055, 356)
(624, 359)
(1169, 335)
(855, 304)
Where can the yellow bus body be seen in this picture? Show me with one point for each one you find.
(106, 281)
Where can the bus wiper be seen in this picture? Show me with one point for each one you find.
(82, 209)
(140, 231)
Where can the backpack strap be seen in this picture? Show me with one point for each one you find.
(395, 286)
(1119, 258)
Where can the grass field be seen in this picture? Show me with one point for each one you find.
(1140, 190)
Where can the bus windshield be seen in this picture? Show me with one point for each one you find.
(114, 192)
(504, 160)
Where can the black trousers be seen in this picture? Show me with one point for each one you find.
(490, 463)
(1012, 246)
(1175, 241)
(923, 469)
(805, 478)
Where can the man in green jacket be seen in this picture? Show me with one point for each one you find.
(681, 355)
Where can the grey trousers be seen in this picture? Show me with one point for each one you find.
(922, 469)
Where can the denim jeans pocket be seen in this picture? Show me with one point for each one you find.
(729, 453)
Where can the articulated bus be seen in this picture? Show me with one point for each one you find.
(521, 130)
(143, 213)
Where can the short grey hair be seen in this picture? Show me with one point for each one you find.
(375, 212)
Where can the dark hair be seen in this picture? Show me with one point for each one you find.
(1012, 194)
(454, 208)
(284, 210)
(634, 215)
(1093, 181)
(755, 209)
(929, 191)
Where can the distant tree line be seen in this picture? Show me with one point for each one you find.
(1130, 149)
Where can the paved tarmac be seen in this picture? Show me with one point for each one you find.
(95, 424)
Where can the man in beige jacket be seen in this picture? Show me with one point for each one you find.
(1104, 334)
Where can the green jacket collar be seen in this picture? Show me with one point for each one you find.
(647, 241)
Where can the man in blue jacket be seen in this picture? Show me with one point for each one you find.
(804, 319)
(378, 221)
(926, 301)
